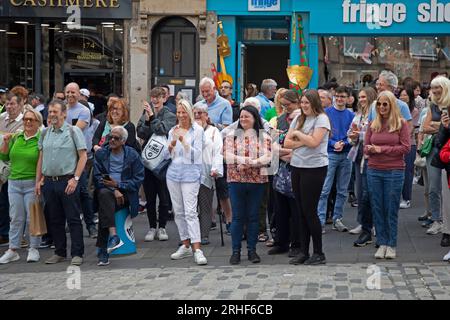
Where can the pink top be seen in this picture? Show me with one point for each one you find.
(394, 146)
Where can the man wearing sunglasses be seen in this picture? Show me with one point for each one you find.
(118, 175)
(226, 92)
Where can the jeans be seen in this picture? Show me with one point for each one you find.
(409, 173)
(340, 166)
(21, 196)
(385, 187)
(364, 208)
(245, 202)
(4, 211)
(62, 208)
(86, 200)
(435, 187)
(154, 187)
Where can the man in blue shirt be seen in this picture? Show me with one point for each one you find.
(339, 165)
(268, 90)
(219, 109)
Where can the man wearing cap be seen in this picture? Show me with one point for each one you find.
(84, 95)
(2, 99)
(38, 103)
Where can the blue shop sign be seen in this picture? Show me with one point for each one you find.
(264, 5)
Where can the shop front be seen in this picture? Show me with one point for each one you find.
(347, 40)
(48, 43)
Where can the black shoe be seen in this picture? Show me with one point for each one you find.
(364, 239)
(45, 244)
(235, 258)
(445, 242)
(351, 197)
(293, 252)
(92, 230)
(213, 226)
(277, 250)
(423, 218)
(253, 257)
(170, 216)
(299, 259)
(316, 259)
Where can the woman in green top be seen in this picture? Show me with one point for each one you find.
(21, 149)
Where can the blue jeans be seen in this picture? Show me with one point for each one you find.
(385, 187)
(435, 187)
(340, 166)
(21, 196)
(364, 208)
(246, 200)
(409, 173)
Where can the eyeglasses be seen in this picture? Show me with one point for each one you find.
(384, 104)
(29, 120)
(116, 138)
(225, 87)
(341, 96)
(198, 112)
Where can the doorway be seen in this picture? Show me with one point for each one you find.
(266, 62)
(175, 56)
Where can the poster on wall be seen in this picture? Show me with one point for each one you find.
(423, 48)
(358, 47)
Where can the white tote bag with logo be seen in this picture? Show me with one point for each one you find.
(153, 155)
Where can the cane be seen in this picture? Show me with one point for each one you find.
(219, 211)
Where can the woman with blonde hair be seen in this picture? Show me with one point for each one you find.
(183, 178)
(277, 109)
(387, 142)
(440, 100)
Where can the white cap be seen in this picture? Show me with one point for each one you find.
(85, 92)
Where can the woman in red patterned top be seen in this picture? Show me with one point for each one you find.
(247, 152)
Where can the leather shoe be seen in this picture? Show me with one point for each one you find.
(253, 257)
(277, 250)
(445, 242)
(300, 259)
(316, 259)
(235, 258)
(293, 252)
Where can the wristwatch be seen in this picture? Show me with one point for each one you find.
(76, 178)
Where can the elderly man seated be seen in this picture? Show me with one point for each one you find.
(118, 175)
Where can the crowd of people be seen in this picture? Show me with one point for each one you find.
(279, 161)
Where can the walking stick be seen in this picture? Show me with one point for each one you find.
(219, 211)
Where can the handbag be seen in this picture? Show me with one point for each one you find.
(153, 154)
(38, 227)
(427, 146)
(161, 169)
(420, 162)
(5, 170)
(282, 182)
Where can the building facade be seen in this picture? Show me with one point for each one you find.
(350, 40)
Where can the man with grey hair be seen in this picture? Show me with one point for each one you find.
(118, 175)
(326, 98)
(387, 80)
(219, 109)
(268, 90)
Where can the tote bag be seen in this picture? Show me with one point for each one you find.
(38, 227)
(153, 154)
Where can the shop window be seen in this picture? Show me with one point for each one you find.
(354, 61)
(256, 34)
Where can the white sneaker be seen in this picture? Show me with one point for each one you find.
(356, 230)
(181, 253)
(447, 257)
(150, 236)
(405, 204)
(381, 252)
(390, 253)
(199, 257)
(9, 256)
(162, 234)
(435, 228)
(339, 226)
(33, 255)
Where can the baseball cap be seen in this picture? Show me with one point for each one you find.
(85, 92)
(3, 90)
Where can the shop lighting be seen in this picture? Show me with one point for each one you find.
(1, 30)
(21, 22)
(119, 29)
(45, 25)
(107, 23)
(12, 33)
(54, 28)
(108, 26)
(68, 22)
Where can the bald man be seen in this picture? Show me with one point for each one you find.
(80, 116)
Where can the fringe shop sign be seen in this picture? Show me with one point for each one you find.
(385, 14)
(118, 9)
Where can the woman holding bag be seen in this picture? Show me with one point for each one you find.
(22, 150)
(155, 121)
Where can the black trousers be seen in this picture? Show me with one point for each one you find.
(62, 208)
(287, 224)
(107, 207)
(154, 187)
(307, 185)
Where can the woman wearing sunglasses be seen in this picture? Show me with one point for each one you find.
(387, 141)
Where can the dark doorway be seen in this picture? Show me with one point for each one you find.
(175, 55)
(267, 62)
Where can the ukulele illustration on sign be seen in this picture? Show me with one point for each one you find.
(224, 51)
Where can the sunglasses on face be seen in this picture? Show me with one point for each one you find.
(225, 87)
(117, 138)
(29, 120)
(384, 104)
